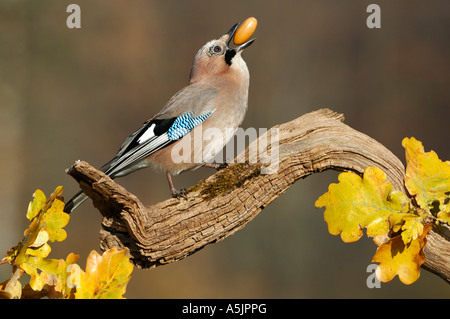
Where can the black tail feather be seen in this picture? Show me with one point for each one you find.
(75, 201)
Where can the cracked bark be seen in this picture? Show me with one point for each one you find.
(225, 202)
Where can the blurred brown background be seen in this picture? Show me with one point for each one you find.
(69, 94)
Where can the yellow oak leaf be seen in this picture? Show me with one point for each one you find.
(36, 204)
(55, 219)
(41, 251)
(397, 258)
(41, 239)
(19, 253)
(42, 271)
(444, 217)
(47, 220)
(412, 228)
(411, 224)
(106, 275)
(51, 272)
(427, 177)
(444, 207)
(355, 203)
(51, 218)
(29, 256)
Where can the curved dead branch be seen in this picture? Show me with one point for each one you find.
(225, 202)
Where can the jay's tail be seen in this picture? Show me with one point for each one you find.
(75, 201)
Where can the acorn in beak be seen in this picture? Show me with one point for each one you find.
(231, 34)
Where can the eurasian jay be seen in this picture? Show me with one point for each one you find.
(216, 97)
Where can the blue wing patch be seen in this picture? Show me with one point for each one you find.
(184, 124)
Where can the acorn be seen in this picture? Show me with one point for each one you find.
(245, 30)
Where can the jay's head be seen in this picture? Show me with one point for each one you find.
(217, 58)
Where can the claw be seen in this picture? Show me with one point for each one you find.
(179, 194)
(216, 166)
(221, 166)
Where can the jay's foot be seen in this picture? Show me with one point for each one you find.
(216, 165)
(178, 194)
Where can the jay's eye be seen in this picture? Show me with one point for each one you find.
(217, 49)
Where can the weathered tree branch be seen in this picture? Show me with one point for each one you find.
(225, 202)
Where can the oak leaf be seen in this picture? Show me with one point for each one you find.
(54, 220)
(397, 258)
(427, 177)
(35, 206)
(356, 203)
(444, 217)
(47, 220)
(106, 275)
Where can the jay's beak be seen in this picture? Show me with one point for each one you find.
(241, 47)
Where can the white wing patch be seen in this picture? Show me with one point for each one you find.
(148, 134)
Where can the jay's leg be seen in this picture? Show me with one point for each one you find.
(173, 191)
